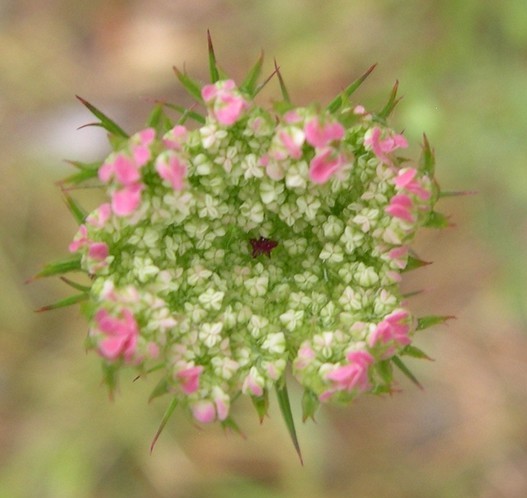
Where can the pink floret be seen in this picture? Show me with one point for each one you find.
(353, 375)
(126, 170)
(324, 165)
(120, 334)
(172, 169)
(406, 180)
(127, 200)
(227, 104)
(401, 207)
(321, 135)
(98, 251)
(190, 379)
(204, 411)
(382, 147)
(80, 240)
(393, 328)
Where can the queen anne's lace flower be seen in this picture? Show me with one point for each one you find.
(255, 240)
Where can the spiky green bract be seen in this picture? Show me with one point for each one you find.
(66, 265)
(343, 98)
(104, 121)
(285, 408)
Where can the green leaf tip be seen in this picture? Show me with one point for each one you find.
(190, 85)
(427, 161)
(310, 404)
(78, 212)
(59, 267)
(108, 124)
(250, 82)
(230, 425)
(425, 322)
(261, 405)
(414, 263)
(461, 193)
(406, 371)
(437, 220)
(63, 303)
(75, 285)
(162, 387)
(287, 415)
(392, 102)
(166, 417)
(158, 119)
(213, 68)
(283, 88)
(415, 352)
(340, 99)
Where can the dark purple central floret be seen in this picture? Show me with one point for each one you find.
(262, 246)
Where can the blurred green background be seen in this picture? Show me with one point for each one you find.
(462, 67)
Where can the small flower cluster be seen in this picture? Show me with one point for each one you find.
(251, 241)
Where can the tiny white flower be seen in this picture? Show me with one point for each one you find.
(289, 214)
(323, 344)
(211, 299)
(297, 175)
(350, 299)
(274, 343)
(332, 253)
(333, 227)
(366, 276)
(305, 280)
(257, 286)
(251, 167)
(144, 268)
(257, 324)
(210, 333)
(197, 274)
(291, 319)
(308, 206)
(253, 211)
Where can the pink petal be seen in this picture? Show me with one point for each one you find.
(126, 200)
(400, 207)
(230, 109)
(321, 135)
(172, 169)
(222, 408)
(190, 379)
(204, 411)
(251, 385)
(209, 92)
(359, 110)
(293, 140)
(100, 216)
(405, 177)
(360, 357)
(380, 147)
(324, 165)
(146, 136)
(141, 154)
(292, 117)
(112, 347)
(125, 170)
(105, 322)
(175, 138)
(106, 171)
(98, 251)
(80, 240)
(153, 350)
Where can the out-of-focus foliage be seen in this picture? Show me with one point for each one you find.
(461, 67)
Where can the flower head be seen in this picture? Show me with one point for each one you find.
(253, 240)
